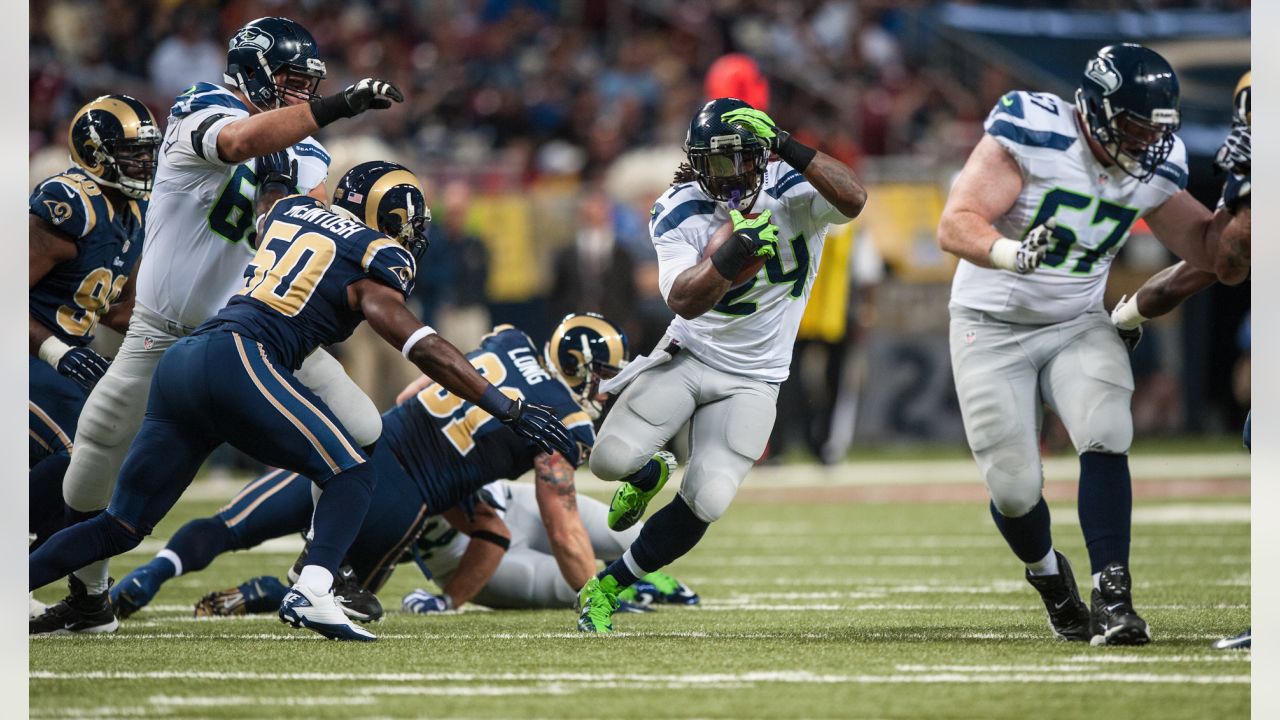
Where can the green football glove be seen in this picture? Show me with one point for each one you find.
(757, 234)
(760, 123)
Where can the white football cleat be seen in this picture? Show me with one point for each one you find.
(37, 607)
(302, 608)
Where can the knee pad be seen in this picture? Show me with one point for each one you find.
(709, 495)
(1109, 424)
(1013, 477)
(363, 475)
(613, 458)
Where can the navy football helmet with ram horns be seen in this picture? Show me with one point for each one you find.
(266, 47)
(115, 140)
(728, 159)
(389, 198)
(583, 350)
(1129, 100)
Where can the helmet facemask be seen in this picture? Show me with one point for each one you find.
(1137, 144)
(730, 173)
(408, 225)
(584, 384)
(128, 165)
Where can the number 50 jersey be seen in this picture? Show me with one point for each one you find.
(1095, 207)
(294, 297)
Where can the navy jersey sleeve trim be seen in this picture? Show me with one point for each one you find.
(1174, 174)
(1031, 138)
(682, 212)
(313, 151)
(1010, 104)
(789, 180)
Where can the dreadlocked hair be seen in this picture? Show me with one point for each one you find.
(684, 174)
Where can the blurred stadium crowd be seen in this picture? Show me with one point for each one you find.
(546, 129)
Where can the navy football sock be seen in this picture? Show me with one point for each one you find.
(1105, 506)
(200, 541)
(339, 513)
(665, 538)
(646, 478)
(45, 511)
(77, 546)
(1028, 536)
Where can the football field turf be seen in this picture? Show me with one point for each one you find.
(820, 599)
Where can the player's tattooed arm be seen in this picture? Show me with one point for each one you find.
(985, 190)
(483, 554)
(837, 183)
(558, 506)
(1235, 248)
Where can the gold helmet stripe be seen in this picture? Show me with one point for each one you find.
(611, 336)
(380, 188)
(1244, 105)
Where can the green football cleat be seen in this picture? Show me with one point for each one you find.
(629, 502)
(597, 602)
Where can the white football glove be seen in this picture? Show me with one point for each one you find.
(421, 602)
(1128, 321)
(1023, 257)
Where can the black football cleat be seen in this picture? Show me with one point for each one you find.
(79, 612)
(356, 602)
(1115, 622)
(1068, 616)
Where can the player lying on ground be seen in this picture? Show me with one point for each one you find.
(455, 549)
(723, 357)
(222, 141)
(1166, 290)
(1043, 204)
(319, 272)
(437, 451)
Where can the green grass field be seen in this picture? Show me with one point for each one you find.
(811, 608)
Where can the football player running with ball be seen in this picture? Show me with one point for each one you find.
(1043, 204)
(723, 357)
(222, 145)
(319, 272)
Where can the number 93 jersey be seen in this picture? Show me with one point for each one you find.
(200, 224)
(1095, 207)
(452, 448)
(293, 296)
(752, 329)
(71, 298)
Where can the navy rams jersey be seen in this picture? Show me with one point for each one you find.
(295, 289)
(452, 448)
(71, 298)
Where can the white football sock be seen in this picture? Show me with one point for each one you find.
(1047, 565)
(317, 579)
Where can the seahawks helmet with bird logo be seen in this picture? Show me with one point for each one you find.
(728, 159)
(388, 197)
(1129, 100)
(266, 47)
(115, 140)
(583, 350)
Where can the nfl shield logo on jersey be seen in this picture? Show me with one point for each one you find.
(969, 337)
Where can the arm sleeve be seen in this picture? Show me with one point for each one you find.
(675, 255)
(192, 139)
(313, 164)
(64, 206)
(386, 261)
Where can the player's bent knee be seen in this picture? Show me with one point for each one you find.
(1013, 479)
(710, 499)
(1110, 427)
(613, 458)
(119, 537)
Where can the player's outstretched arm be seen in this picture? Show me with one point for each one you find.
(490, 538)
(1189, 229)
(1235, 248)
(386, 313)
(1160, 294)
(275, 130)
(986, 189)
(558, 505)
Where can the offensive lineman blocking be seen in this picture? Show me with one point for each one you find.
(199, 238)
(722, 358)
(1027, 323)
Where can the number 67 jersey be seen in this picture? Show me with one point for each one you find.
(294, 295)
(1095, 207)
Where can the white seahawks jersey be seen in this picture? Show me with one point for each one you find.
(441, 547)
(752, 329)
(1095, 207)
(202, 209)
